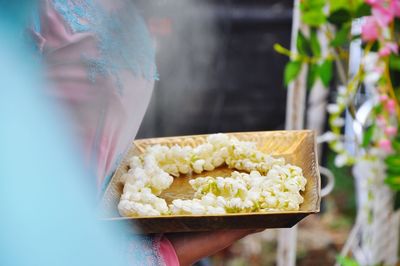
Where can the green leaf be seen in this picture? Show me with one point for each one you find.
(292, 70)
(342, 36)
(314, 17)
(363, 10)
(325, 72)
(368, 136)
(393, 170)
(393, 160)
(312, 75)
(340, 16)
(393, 181)
(344, 261)
(378, 108)
(355, 37)
(394, 62)
(338, 4)
(312, 5)
(351, 5)
(303, 44)
(314, 43)
(374, 48)
(396, 145)
(397, 201)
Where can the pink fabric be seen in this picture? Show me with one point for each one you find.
(168, 253)
(103, 121)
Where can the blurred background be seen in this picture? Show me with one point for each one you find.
(218, 72)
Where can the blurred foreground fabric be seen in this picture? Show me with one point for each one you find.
(47, 211)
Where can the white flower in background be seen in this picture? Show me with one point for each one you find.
(328, 137)
(333, 108)
(373, 69)
(342, 91)
(371, 78)
(338, 146)
(341, 160)
(338, 122)
(370, 61)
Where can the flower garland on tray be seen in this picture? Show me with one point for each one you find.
(267, 183)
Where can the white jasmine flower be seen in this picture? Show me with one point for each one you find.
(327, 137)
(135, 162)
(341, 160)
(372, 78)
(333, 108)
(198, 166)
(338, 122)
(269, 185)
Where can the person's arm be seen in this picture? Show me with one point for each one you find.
(191, 247)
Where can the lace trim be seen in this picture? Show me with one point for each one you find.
(144, 250)
(124, 42)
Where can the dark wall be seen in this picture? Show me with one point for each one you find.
(218, 70)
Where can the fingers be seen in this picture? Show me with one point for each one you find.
(191, 247)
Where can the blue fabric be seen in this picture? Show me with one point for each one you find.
(47, 209)
(47, 217)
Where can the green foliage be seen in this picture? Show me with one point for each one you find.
(393, 166)
(397, 201)
(342, 36)
(393, 181)
(343, 192)
(345, 261)
(363, 10)
(314, 18)
(339, 17)
(338, 4)
(312, 5)
(313, 12)
(303, 45)
(280, 49)
(396, 144)
(326, 72)
(393, 160)
(314, 43)
(313, 71)
(368, 136)
(394, 62)
(292, 70)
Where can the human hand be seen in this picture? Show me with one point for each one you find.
(191, 247)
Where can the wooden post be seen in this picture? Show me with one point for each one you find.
(295, 108)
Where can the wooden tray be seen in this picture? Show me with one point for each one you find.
(297, 147)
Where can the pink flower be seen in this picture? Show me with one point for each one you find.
(388, 48)
(391, 131)
(385, 145)
(390, 106)
(369, 30)
(381, 121)
(383, 97)
(379, 69)
(382, 15)
(395, 7)
(384, 51)
(374, 2)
